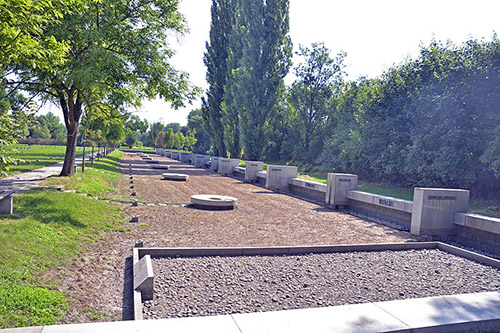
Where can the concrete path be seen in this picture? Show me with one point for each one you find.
(458, 313)
(25, 181)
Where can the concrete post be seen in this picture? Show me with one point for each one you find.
(200, 160)
(6, 204)
(278, 176)
(337, 186)
(175, 155)
(186, 157)
(251, 170)
(214, 164)
(226, 165)
(434, 210)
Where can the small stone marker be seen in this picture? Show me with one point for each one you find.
(139, 243)
(135, 218)
(133, 194)
(175, 176)
(134, 203)
(161, 166)
(143, 277)
(132, 186)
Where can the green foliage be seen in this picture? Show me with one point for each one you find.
(47, 231)
(22, 37)
(98, 180)
(432, 121)
(118, 56)
(312, 93)
(196, 122)
(11, 125)
(266, 58)
(216, 61)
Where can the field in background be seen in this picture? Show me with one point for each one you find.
(37, 156)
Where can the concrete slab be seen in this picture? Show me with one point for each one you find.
(347, 318)
(443, 311)
(219, 324)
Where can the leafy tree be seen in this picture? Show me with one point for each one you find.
(174, 126)
(117, 55)
(154, 129)
(312, 92)
(169, 138)
(190, 139)
(53, 125)
(130, 137)
(263, 29)
(195, 121)
(22, 34)
(215, 59)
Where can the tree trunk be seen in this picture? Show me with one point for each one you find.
(83, 158)
(69, 159)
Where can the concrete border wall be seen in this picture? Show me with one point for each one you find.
(239, 172)
(176, 155)
(308, 189)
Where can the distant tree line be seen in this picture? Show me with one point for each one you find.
(432, 121)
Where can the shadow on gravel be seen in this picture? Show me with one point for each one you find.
(128, 294)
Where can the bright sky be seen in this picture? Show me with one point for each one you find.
(376, 34)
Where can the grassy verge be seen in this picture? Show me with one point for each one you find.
(36, 156)
(99, 179)
(46, 232)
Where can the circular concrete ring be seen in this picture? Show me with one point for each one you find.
(175, 176)
(213, 201)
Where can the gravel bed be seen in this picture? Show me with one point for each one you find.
(203, 286)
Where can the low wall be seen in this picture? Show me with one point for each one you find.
(261, 178)
(239, 172)
(308, 189)
(176, 155)
(214, 164)
(478, 231)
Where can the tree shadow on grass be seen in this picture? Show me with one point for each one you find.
(43, 209)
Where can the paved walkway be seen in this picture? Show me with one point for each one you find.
(25, 181)
(458, 313)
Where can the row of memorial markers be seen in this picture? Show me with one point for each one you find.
(433, 211)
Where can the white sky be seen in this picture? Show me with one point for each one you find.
(376, 34)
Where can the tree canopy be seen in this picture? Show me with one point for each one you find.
(117, 55)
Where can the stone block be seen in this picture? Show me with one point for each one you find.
(186, 157)
(226, 165)
(251, 170)
(214, 164)
(434, 210)
(6, 202)
(278, 176)
(144, 277)
(337, 186)
(168, 153)
(200, 160)
(175, 155)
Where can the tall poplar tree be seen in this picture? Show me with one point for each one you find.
(266, 59)
(215, 60)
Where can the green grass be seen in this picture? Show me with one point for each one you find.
(46, 232)
(38, 156)
(97, 180)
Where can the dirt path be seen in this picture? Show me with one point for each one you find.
(100, 283)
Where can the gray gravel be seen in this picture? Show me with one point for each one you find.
(203, 286)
